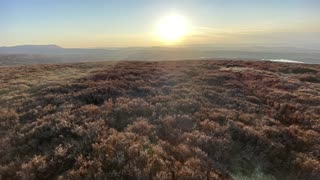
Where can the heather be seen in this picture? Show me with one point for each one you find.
(160, 120)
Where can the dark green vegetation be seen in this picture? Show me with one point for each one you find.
(160, 120)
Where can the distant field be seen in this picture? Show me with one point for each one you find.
(160, 120)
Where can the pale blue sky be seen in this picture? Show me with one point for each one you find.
(97, 23)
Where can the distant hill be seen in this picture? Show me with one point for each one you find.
(55, 54)
(32, 49)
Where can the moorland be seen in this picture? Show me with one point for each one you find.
(160, 120)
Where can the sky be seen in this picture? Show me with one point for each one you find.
(132, 23)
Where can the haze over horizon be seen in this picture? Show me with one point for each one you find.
(135, 23)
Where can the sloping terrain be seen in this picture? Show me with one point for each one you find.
(160, 120)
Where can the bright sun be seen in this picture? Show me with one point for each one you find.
(172, 29)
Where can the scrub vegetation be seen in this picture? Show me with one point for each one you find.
(160, 120)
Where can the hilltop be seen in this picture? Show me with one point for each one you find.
(160, 120)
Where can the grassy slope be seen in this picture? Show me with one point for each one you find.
(161, 120)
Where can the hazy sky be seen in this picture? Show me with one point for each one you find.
(107, 23)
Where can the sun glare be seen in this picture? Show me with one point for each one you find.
(172, 29)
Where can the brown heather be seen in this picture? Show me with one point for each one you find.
(160, 120)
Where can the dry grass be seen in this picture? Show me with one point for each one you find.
(20, 81)
(160, 120)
